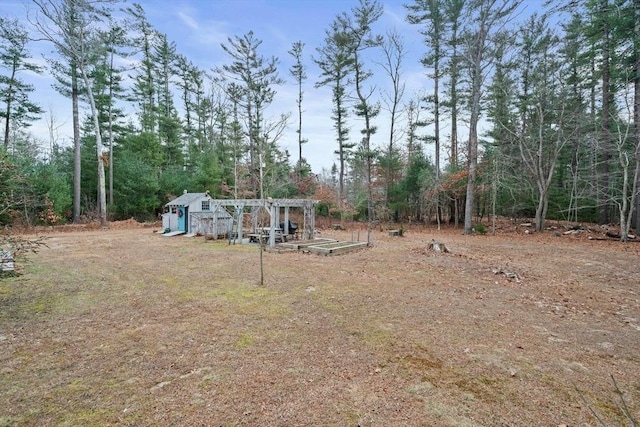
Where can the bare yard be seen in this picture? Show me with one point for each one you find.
(125, 327)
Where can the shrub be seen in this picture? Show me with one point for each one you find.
(480, 228)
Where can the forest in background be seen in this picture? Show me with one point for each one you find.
(534, 116)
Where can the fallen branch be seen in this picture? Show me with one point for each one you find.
(508, 274)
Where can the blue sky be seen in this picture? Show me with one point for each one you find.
(198, 27)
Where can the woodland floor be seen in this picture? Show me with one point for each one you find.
(126, 327)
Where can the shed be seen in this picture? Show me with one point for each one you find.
(196, 213)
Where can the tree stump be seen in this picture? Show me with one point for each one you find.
(436, 246)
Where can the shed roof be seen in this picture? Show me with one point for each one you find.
(186, 199)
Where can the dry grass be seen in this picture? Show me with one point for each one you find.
(125, 327)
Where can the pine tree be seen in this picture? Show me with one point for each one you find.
(636, 102)
(430, 14)
(486, 18)
(358, 37)
(144, 40)
(108, 89)
(299, 73)
(19, 110)
(164, 57)
(255, 77)
(545, 114)
(336, 62)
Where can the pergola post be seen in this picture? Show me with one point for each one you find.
(309, 221)
(285, 231)
(273, 224)
(254, 218)
(239, 213)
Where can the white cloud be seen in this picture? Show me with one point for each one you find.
(188, 20)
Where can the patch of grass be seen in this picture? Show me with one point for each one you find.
(486, 388)
(208, 381)
(604, 409)
(241, 295)
(420, 363)
(44, 304)
(421, 389)
(87, 416)
(254, 300)
(8, 421)
(327, 303)
(244, 341)
(7, 290)
(450, 414)
(375, 338)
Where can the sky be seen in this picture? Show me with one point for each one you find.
(198, 27)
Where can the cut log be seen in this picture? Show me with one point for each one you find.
(436, 246)
(612, 234)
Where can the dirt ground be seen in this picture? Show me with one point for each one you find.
(127, 327)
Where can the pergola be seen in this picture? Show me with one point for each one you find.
(273, 207)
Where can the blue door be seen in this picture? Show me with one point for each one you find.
(182, 218)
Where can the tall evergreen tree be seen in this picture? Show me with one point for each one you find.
(545, 113)
(14, 92)
(255, 77)
(501, 155)
(453, 13)
(485, 19)
(335, 62)
(108, 89)
(359, 36)
(431, 14)
(571, 51)
(169, 126)
(636, 101)
(299, 73)
(144, 40)
(603, 14)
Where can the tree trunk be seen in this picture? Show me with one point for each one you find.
(102, 199)
(77, 159)
(7, 117)
(111, 134)
(436, 118)
(605, 139)
(541, 211)
(471, 179)
(636, 108)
